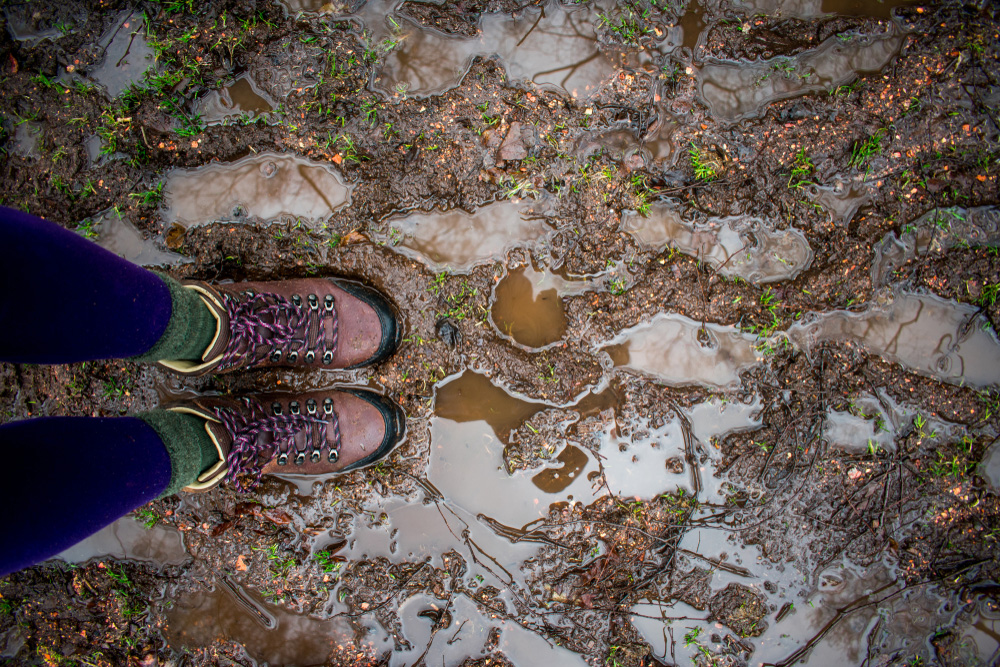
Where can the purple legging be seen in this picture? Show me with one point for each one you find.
(65, 299)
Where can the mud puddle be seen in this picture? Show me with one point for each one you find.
(457, 240)
(528, 308)
(241, 99)
(120, 237)
(266, 632)
(128, 538)
(935, 232)
(126, 55)
(680, 351)
(266, 187)
(881, 9)
(740, 90)
(735, 246)
(554, 46)
(935, 337)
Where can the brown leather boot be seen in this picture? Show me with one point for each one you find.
(315, 433)
(311, 323)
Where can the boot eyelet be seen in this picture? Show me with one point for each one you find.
(293, 407)
(311, 406)
(313, 302)
(296, 299)
(315, 456)
(310, 357)
(334, 455)
(293, 356)
(276, 356)
(328, 406)
(249, 294)
(328, 357)
(276, 408)
(300, 458)
(328, 302)
(282, 459)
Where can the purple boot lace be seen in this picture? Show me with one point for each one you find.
(246, 459)
(269, 326)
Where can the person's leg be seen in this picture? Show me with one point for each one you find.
(66, 299)
(65, 478)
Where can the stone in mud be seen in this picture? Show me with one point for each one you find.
(741, 609)
(512, 147)
(448, 332)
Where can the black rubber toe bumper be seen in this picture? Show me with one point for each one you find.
(392, 332)
(395, 426)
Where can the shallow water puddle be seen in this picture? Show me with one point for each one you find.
(735, 246)
(528, 307)
(120, 237)
(935, 231)
(26, 137)
(263, 187)
(127, 538)
(881, 9)
(467, 634)
(242, 98)
(989, 467)
(739, 90)
(553, 46)
(842, 202)
(902, 619)
(932, 336)
(644, 466)
(267, 632)
(457, 240)
(680, 351)
(126, 55)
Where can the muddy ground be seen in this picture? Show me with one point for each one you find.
(796, 486)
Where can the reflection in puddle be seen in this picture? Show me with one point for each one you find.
(240, 98)
(989, 468)
(467, 636)
(26, 138)
(737, 90)
(127, 538)
(126, 55)
(266, 632)
(843, 202)
(120, 237)
(527, 306)
(679, 351)
(553, 46)
(935, 231)
(262, 187)
(880, 9)
(899, 623)
(646, 465)
(734, 246)
(930, 335)
(458, 240)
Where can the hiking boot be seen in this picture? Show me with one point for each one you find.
(309, 323)
(314, 433)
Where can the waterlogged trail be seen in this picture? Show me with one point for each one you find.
(700, 361)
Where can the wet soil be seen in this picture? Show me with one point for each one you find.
(700, 300)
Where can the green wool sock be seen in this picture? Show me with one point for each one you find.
(189, 446)
(190, 330)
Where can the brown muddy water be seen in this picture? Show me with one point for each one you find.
(644, 410)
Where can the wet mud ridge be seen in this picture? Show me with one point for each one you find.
(700, 301)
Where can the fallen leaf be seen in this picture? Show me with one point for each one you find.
(241, 563)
